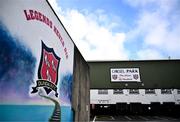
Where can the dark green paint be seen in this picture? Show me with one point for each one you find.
(154, 74)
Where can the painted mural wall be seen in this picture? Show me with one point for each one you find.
(36, 63)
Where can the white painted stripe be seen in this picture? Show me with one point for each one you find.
(56, 116)
(143, 118)
(112, 118)
(161, 118)
(127, 117)
(94, 119)
(167, 118)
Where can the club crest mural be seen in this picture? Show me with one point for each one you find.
(36, 66)
(48, 71)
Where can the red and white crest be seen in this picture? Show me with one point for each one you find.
(47, 71)
(48, 67)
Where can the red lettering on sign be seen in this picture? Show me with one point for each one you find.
(31, 14)
(35, 15)
(56, 31)
(28, 17)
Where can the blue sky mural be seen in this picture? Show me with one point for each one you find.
(17, 67)
(122, 29)
(17, 70)
(66, 88)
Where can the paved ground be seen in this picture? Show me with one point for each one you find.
(103, 118)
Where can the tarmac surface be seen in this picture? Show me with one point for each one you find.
(134, 118)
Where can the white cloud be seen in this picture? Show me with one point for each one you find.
(95, 40)
(159, 26)
(149, 54)
(55, 6)
(163, 5)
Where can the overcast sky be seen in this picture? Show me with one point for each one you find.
(122, 29)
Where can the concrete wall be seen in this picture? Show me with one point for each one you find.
(81, 88)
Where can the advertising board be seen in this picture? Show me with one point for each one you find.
(125, 75)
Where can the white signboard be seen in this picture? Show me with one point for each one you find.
(125, 75)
